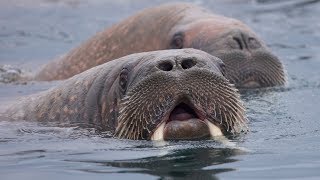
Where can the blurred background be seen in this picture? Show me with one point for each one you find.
(283, 142)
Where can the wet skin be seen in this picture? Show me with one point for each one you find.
(160, 95)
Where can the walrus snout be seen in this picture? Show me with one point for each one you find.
(240, 49)
(179, 95)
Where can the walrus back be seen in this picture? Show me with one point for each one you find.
(83, 100)
(139, 33)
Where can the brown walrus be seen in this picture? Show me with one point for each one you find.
(248, 61)
(169, 94)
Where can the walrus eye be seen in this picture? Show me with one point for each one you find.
(123, 79)
(177, 41)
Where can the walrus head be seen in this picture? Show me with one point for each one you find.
(249, 63)
(177, 94)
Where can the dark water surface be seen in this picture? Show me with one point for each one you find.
(284, 141)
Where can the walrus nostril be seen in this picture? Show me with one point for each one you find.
(238, 40)
(188, 63)
(165, 66)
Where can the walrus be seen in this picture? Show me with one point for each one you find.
(249, 63)
(158, 95)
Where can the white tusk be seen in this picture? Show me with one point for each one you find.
(158, 134)
(214, 130)
(217, 135)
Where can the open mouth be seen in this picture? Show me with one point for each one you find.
(184, 123)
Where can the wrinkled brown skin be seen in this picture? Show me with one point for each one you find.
(134, 90)
(170, 26)
(139, 33)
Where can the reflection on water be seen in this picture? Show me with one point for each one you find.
(185, 163)
(84, 150)
(283, 141)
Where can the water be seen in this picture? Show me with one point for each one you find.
(285, 127)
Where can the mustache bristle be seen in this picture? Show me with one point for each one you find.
(262, 67)
(144, 106)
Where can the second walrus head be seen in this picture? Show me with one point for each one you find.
(249, 63)
(159, 95)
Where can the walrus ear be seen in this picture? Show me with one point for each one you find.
(177, 41)
(123, 80)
